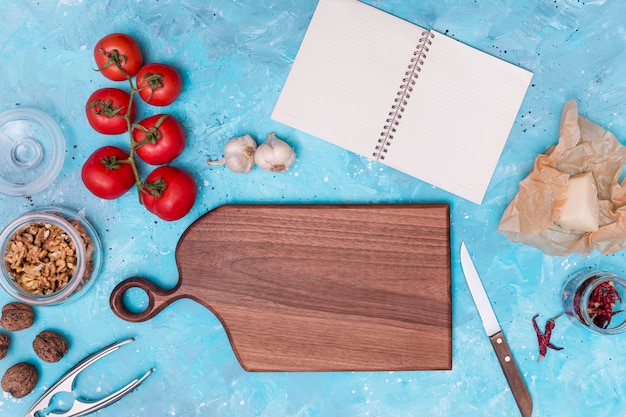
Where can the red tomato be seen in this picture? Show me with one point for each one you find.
(158, 84)
(159, 138)
(169, 193)
(105, 176)
(106, 109)
(118, 56)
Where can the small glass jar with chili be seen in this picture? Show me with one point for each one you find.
(595, 300)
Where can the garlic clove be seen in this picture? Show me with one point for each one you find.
(238, 154)
(274, 155)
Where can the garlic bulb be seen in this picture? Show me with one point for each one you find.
(274, 155)
(238, 154)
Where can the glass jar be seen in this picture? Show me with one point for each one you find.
(76, 248)
(594, 300)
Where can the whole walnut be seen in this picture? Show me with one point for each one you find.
(5, 341)
(17, 316)
(50, 346)
(20, 379)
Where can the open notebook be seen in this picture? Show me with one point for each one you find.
(410, 98)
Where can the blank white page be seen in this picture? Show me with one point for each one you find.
(346, 74)
(458, 118)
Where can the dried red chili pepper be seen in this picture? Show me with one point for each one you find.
(544, 338)
(602, 302)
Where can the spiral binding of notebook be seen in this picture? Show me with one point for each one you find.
(403, 95)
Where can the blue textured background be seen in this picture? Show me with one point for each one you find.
(234, 57)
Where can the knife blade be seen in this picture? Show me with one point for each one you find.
(494, 332)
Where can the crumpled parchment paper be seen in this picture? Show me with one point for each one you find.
(583, 146)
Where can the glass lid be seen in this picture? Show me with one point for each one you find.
(32, 149)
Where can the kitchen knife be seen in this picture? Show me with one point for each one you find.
(492, 328)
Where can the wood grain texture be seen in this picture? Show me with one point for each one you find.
(512, 374)
(319, 287)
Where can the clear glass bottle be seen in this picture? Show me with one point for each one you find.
(595, 301)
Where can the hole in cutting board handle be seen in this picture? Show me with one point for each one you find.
(136, 300)
(157, 299)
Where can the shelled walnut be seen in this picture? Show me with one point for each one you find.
(20, 379)
(5, 341)
(41, 258)
(89, 250)
(50, 346)
(17, 316)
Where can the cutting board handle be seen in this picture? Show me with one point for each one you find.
(158, 299)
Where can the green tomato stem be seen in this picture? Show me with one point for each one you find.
(131, 157)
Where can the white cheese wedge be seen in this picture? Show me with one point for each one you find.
(581, 210)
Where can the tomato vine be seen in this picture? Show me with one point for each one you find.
(119, 58)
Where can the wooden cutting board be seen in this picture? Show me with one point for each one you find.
(318, 287)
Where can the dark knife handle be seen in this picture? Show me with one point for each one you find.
(512, 374)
